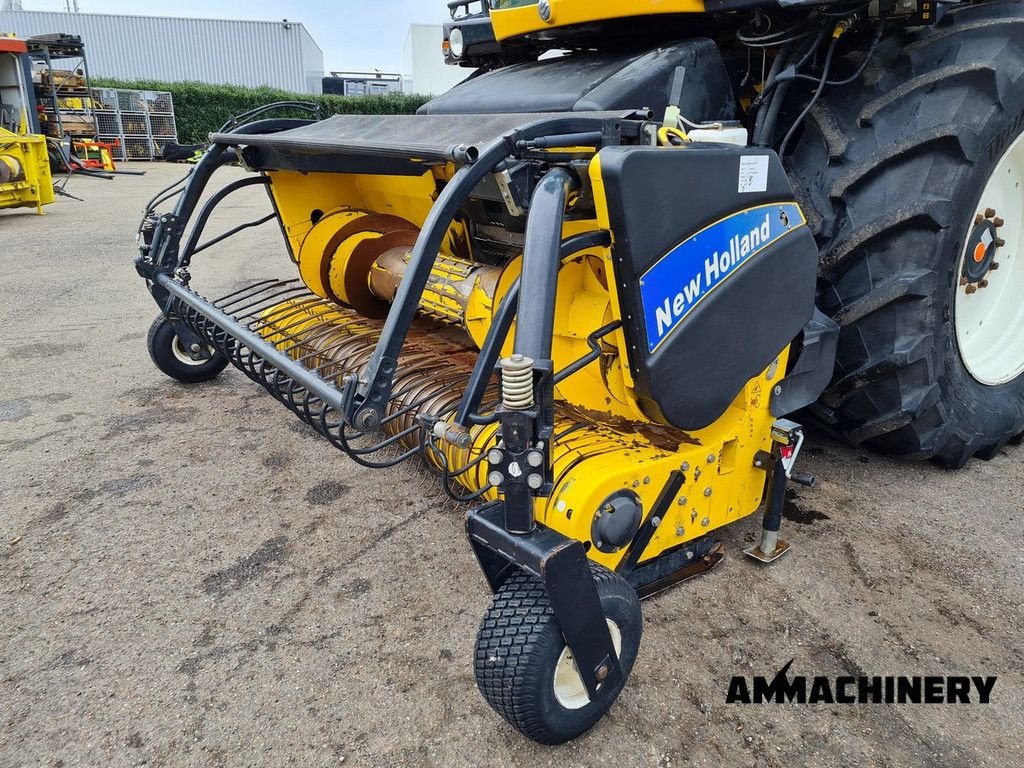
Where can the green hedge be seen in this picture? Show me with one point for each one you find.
(200, 108)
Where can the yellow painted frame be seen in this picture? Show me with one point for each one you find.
(510, 23)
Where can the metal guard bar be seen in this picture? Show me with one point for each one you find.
(232, 329)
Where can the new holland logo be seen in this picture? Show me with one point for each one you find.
(676, 284)
(863, 689)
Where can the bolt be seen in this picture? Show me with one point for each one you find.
(990, 213)
(680, 531)
(534, 458)
(998, 222)
(707, 491)
(195, 348)
(1000, 242)
(685, 466)
(693, 515)
(705, 522)
(601, 673)
(494, 456)
(655, 522)
(495, 478)
(697, 473)
(534, 481)
(636, 483)
(647, 480)
(711, 458)
(367, 420)
(963, 281)
(682, 501)
(983, 284)
(972, 288)
(778, 389)
(995, 265)
(978, 219)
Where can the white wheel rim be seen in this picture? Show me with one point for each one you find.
(179, 352)
(569, 689)
(989, 320)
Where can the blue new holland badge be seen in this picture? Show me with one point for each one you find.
(676, 284)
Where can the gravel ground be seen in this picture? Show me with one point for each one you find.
(191, 577)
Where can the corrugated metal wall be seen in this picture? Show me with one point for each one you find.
(164, 48)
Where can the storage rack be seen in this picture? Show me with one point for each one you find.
(136, 123)
(66, 100)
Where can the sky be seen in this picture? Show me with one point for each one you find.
(352, 34)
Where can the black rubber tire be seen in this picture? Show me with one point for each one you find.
(891, 171)
(160, 342)
(518, 646)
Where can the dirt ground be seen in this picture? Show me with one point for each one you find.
(191, 577)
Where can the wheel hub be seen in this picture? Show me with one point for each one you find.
(981, 249)
(988, 312)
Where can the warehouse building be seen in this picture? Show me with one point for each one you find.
(424, 68)
(281, 54)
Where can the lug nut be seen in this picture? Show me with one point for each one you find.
(1000, 242)
(978, 219)
(995, 265)
(963, 281)
(998, 222)
(990, 213)
(983, 284)
(972, 288)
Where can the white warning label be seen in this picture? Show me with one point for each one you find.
(753, 173)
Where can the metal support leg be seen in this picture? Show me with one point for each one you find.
(772, 547)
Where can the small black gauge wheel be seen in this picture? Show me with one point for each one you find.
(170, 355)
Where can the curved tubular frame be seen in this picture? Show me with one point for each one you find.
(367, 395)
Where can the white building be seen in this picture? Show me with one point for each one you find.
(424, 70)
(281, 54)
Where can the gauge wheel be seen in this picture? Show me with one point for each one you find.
(170, 355)
(526, 672)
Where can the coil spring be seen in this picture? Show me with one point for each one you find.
(517, 382)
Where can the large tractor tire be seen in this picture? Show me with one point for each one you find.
(913, 178)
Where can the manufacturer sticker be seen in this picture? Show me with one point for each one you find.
(687, 274)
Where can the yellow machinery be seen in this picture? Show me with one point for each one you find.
(581, 290)
(25, 180)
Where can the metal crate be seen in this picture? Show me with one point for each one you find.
(139, 148)
(107, 123)
(131, 101)
(104, 99)
(138, 123)
(162, 126)
(159, 103)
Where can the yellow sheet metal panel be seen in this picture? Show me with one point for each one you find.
(515, 18)
(25, 180)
